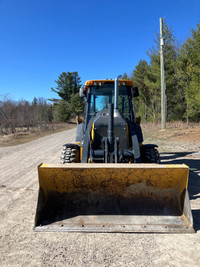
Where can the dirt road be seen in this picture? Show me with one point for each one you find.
(20, 246)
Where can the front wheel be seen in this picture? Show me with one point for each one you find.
(150, 155)
(69, 154)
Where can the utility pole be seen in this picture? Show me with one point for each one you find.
(162, 74)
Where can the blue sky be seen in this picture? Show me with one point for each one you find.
(100, 39)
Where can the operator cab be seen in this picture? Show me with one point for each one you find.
(101, 92)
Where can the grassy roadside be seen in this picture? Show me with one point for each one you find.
(176, 132)
(22, 136)
(176, 137)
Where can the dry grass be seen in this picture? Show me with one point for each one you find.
(22, 135)
(177, 131)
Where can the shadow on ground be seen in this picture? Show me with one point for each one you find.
(194, 177)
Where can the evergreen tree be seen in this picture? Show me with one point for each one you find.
(189, 74)
(62, 111)
(68, 85)
(140, 76)
(34, 101)
(175, 100)
(77, 105)
(125, 76)
(182, 71)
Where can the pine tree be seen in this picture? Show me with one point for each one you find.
(77, 105)
(62, 111)
(189, 74)
(68, 85)
(125, 76)
(175, 100)
(139, 77)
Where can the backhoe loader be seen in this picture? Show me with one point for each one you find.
(108, 180)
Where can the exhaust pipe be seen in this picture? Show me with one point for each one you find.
(116, 92)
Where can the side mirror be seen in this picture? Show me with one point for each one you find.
(82, 92)
(79, 120)
(135, 92)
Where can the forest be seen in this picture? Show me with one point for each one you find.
(182, 72)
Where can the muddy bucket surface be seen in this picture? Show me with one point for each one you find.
(113, 198)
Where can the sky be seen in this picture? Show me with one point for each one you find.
(100, 39)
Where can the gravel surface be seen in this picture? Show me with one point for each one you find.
(21, 246)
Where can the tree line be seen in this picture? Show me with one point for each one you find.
(41, 112)
(182, 70)
(23, 114)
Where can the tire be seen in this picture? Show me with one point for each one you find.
(150, 155)
(68, 155)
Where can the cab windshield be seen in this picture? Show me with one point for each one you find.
(102, 96)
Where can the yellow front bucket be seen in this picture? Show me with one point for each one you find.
(113, 198)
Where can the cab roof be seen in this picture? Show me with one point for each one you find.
(101, 82)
